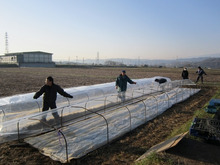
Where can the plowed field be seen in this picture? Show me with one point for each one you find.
(128, 148)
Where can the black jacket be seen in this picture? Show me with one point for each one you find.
(121, 82)
(185, 74)
(50, 93)
(161, 80)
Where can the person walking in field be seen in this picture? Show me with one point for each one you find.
(200, 73)
(50, 91)
(185, 74)
(121, 84)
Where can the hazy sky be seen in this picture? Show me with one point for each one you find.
(145, 29)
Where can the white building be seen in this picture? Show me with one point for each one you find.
(28, 59)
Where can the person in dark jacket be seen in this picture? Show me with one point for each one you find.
(121, 84)
(200, 73)
(161, 80)
(50, 95)
(185, 74)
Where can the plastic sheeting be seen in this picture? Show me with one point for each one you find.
(85, 135)
(21, 115)
(22, 105)
(95, 110)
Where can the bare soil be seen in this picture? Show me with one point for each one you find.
(128, 148)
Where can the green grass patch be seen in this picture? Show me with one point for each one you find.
(200, 113)
(213, 84)
(155, 159)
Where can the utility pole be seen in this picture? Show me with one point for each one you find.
(6, 43)
(97, 59)
(138, 60)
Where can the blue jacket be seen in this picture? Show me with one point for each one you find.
(200, 72)
(121, 82)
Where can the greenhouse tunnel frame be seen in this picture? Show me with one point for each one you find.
(106, 121)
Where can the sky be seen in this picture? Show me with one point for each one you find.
(91, 29)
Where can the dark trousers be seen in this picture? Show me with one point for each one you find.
(47, 106)
(200, 76)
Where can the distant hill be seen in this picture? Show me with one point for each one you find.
(205, 62)
(209, 63)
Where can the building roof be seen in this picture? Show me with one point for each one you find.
(32, 52)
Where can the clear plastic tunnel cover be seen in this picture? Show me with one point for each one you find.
(94, 117)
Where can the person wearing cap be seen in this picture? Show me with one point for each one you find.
(121, 84)
(200, 73)
(185, 74)
(50, 91)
